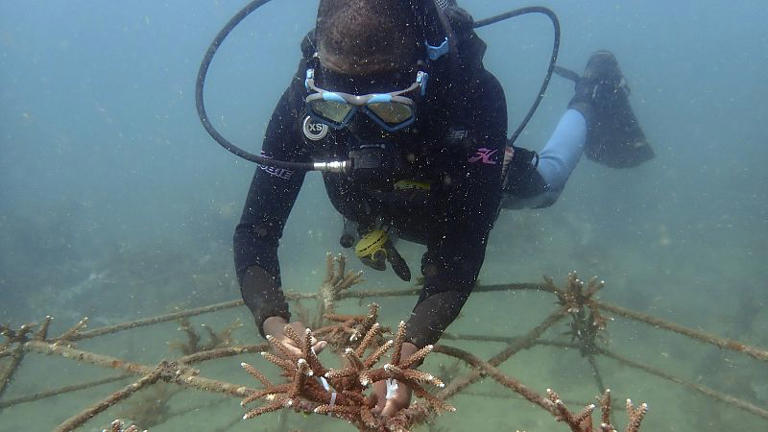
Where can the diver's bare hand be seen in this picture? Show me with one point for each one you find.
(275, 326)
(400, 397)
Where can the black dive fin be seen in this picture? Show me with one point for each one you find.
(614, 135)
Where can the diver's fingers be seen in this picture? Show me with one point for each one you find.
(390, 409)
(319, 346)
(290, 345)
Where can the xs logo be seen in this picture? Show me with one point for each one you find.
(314, 130)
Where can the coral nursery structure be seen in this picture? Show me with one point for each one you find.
(368, 351)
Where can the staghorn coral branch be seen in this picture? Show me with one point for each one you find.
(70, 334)
(353, 360)
(378, 354)
(398, 344)
(336, 281)
(636, 415)
(434, 402)
(118, 426)
(340, 373)
(270, 391)
(417, 357)
(314, 363)
(287, 365)
(289, 331)
(605, 407)
(581, 422)
(372, 317)
(366, 415)
(279, 347)
(370, 376)
(329, 271)
(256, 374)
(274, 406)
(413, 376)
(222, 352)
(369, 338)
(346, 411)
(585, 414)
(299, 378)
(42, 332)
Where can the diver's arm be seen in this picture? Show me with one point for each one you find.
(270, 199)
(536, 180)
(466, 203)
(455, 254)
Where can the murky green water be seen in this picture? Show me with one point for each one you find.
(115, 204)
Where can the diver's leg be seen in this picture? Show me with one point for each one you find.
(536, 180)
(563, 150)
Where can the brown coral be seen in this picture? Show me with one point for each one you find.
(582, 422)
(342, 392)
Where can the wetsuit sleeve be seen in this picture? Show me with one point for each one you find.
(466, 202)
(270, 199)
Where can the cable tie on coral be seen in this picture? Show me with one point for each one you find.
(391, 388)
(327, 387)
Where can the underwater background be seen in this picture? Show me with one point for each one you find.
(115, 204)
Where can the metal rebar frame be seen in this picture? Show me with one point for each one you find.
(33, 338)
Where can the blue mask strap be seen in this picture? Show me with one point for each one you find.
(435, 52)
(422, 78)
(310, 76)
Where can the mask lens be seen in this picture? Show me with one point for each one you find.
(391, 113)
(335, 112)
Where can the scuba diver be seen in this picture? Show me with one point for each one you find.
(398, 89)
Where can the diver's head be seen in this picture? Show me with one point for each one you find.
(370, 61)
(361, 37)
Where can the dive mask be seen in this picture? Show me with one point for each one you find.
(391, 111)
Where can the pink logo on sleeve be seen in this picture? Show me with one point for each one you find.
(484, 155)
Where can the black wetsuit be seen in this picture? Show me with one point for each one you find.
(456, 146)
